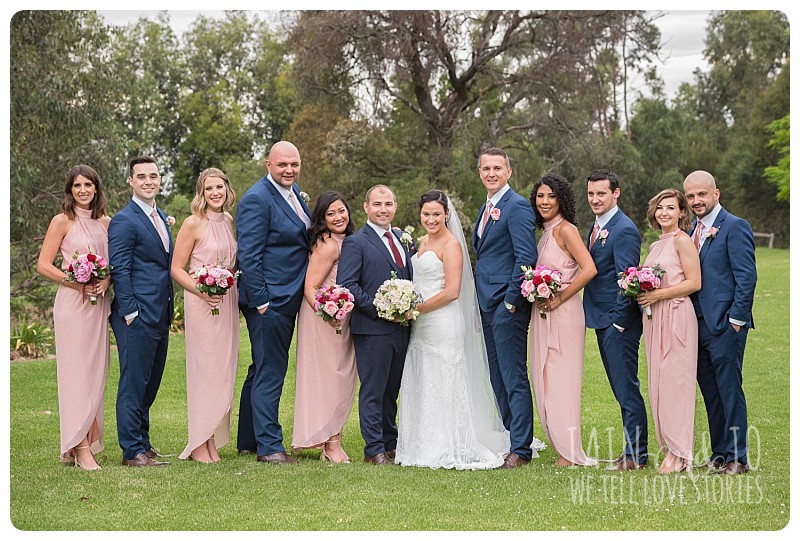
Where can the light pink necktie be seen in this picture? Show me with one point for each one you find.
(161, 232)
(698, 232)
(485, 218)
(298, 210)
(595, 231)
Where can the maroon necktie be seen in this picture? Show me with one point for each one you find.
(395, 252)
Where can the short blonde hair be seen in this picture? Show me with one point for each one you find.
(683, 222)
(199, 201)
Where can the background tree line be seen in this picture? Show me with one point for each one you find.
(402, 98)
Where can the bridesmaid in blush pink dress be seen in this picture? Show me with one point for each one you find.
(326, 361)
(557, 338)
(81, 328)
(212, 341)
(670, 337)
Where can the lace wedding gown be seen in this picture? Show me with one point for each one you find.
(448, 416)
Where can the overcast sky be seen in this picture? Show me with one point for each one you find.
(682, 34)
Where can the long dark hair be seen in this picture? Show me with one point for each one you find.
(564, 193)
(98, 204)
(319, 226)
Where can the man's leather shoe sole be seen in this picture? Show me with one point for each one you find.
(513, 460)
(732, 468)
(625, 464)
(277, 458)
(379, 460)
(142, 461)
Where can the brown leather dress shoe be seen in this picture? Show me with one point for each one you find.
(391, 454)
(380, 460)
(277, 458)
(152, 453)
(714, 463)
(142, 461)
(513, 460)
(625, 464)
(734, 467)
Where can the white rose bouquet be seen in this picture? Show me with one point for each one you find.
(395, 298)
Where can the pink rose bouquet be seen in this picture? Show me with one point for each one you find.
(214, 280)
(540, 282)
(634, 280)
(333, 303)
(87, 269)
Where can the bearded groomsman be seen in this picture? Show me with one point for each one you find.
(724, 307)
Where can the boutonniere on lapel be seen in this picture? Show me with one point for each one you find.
(494, 215)
(406, 238)
(602, 235)
(711, 233)
(305, 197)
(170, 220)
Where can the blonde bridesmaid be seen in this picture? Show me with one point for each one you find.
(326, 361)
(81, 328)
(670, 337)
(212, 341)
(557, 340)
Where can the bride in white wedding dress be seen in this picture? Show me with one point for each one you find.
(448, 416)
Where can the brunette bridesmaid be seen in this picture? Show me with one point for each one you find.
(81, 328)
(326, 362)
(670, 337)
(557, 340)
(212, 341)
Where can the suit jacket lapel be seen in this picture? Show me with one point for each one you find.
(148, 223)
(500, 204)
(283, 204)
(378, 243)
(717, 223)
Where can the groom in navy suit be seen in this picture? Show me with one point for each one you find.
(272, 232)
(503, 241)
(724, 308)
(615, 244)
(369, 256)
(140, 255)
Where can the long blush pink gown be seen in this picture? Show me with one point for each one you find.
(670, 341)
(326, 375)
(82, 345)
(212, 342)
(556, 351)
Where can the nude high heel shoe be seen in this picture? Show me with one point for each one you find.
(81, 466)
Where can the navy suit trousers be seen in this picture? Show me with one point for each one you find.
(719, 375)
(142, 357)
(506, 337)
(620, 354)
(246, 436)
(380, 359)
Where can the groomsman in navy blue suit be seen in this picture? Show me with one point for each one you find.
(369, 256)
(503, 241)
(724, 307)
(272, 232)
(615, 244)
(140, 254)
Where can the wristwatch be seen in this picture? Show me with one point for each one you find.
(510, 307)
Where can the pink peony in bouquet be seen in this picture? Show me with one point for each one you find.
(333, 303)
(635, 280)
(540, 282)
(214, 280)
(87, 269)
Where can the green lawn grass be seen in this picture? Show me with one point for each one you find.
(241, 494)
